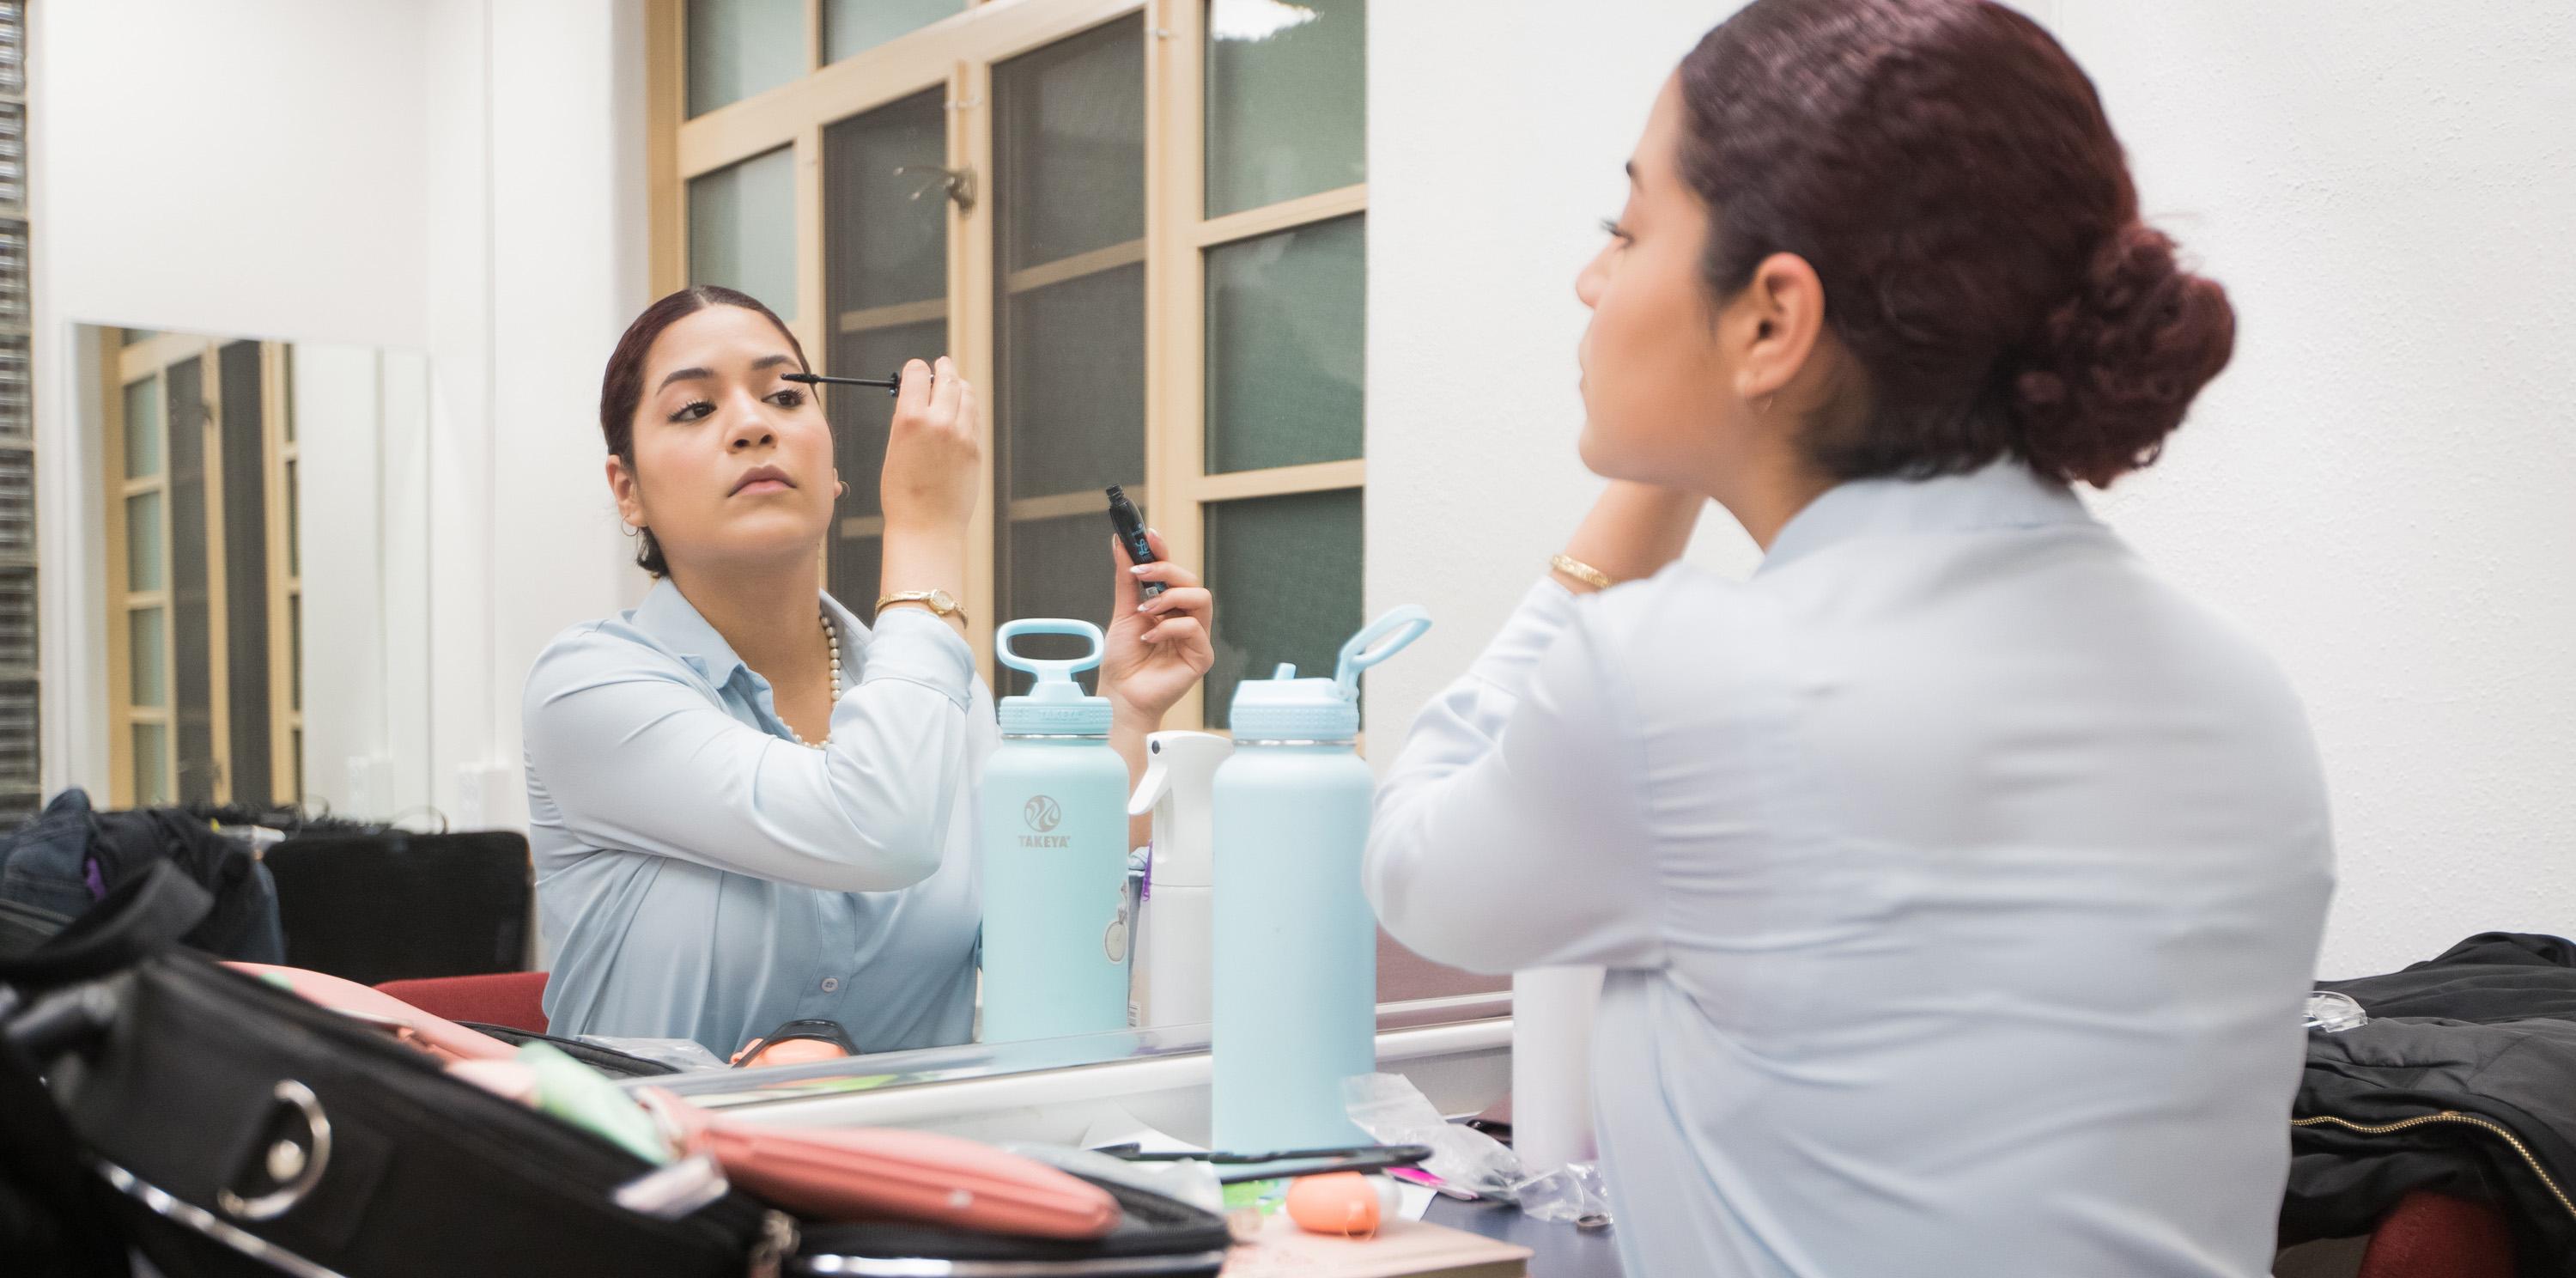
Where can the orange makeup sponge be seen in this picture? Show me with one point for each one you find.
(1341, 1204)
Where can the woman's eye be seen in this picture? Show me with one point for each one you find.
(1610, 226)
(693, 410)
(789, 398)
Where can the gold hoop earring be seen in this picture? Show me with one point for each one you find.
(1767, 400)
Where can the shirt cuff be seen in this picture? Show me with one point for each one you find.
(917, 647)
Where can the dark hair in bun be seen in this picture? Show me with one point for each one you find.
(1949, 173)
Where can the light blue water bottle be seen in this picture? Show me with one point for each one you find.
(1055, 853)
(1296, 943)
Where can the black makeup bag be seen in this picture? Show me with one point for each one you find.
(224, 1127)
(1158, 1237)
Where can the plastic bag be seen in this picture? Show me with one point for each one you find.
(2335, 1013)
(1393, 1112)
(1572, 1194)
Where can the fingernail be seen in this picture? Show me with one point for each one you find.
(1145, 607)
(1139, 570)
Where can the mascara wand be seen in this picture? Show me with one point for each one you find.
(892, 385)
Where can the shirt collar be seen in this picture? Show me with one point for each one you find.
(2003, 494)
(668, 616)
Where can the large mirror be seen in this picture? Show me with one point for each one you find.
(1014, 213)
(262, 555)
(1141, 231)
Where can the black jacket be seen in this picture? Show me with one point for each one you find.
(2464, 1082)
(71, 854)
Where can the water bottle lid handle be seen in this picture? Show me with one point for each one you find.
(1397, 628)
(1045, 670)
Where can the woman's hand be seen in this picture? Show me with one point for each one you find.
(933, 467)
(933, 458)
(1159, 647)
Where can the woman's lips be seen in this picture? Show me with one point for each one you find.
(763, 479)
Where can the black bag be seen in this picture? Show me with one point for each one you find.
(392, 906)
(55, 1215)
(245, 1131)
(226, 1128)
(1158, 1237)
(23, 927)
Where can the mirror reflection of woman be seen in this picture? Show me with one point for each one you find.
(747, 805)
(1958, 880)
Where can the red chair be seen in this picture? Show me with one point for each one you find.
(513, 999)
(2429, 1235)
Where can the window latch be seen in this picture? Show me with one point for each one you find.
(958, 183)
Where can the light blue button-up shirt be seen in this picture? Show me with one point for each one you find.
(702, 875)
(1959, 883)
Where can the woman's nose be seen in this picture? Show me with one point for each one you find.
(1587, 282)
(751, 430)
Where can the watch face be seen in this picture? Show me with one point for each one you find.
(940, 601)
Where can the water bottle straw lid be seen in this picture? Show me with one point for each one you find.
(1398, 628)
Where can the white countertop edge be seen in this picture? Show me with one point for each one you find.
(937, 1104)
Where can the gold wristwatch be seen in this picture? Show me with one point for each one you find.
(938, 601)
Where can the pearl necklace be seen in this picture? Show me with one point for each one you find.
(832, 636)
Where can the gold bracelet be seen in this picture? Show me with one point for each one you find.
(1581, 571)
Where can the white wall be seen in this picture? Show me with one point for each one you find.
(454, 177)
(288, 210)
(2376, 487)
(240, 168)
(536, 254)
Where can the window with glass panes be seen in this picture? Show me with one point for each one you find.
(1140, 227)
(203, 578)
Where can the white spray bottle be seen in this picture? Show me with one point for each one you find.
(1177, 921)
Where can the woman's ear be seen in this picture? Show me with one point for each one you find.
(630, 499)
(1773, 325)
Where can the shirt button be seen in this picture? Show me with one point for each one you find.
(831, 983)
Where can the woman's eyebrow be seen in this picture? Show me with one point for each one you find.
(696, 374)
(683, 375)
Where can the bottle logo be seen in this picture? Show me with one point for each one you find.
(1042, 814)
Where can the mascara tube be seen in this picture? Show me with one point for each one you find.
(1131, 534)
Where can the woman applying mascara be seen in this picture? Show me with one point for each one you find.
(748, 805)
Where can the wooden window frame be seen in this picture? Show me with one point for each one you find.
(958, 53)
(280, 449)
(122, 365)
